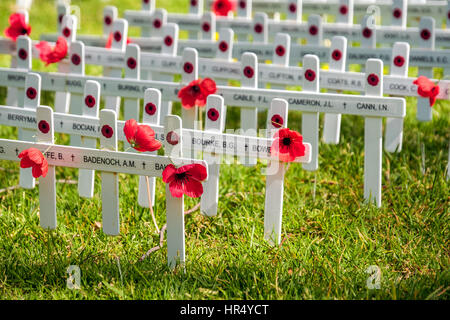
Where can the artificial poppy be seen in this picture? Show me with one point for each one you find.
(33, 158)
(427, 89)
(196, 92)
(110, 39)
(222, 7)
(17, 26)
(185, 180)
(51, 55)
(140, 137)
(288, 145)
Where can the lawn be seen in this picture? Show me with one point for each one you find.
(330, 237)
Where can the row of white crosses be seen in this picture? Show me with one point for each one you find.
(43, 122)
(340, 9)
(261, 28)
(425, 55)
(280, 74)
(260, 23)
(426, 36)
(249, 98)
(89, 127)
(425, 58)
(293, 9)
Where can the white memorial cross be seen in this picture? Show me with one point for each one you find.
(338, 56)
(62, 9)
(149, 6)
(215, 144)
(195, 9)
(119, 42)
(393, 134)
(31, 102)
(168, 49)
(14, 96)
(68, 31)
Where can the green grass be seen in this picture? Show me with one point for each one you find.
(330, 237)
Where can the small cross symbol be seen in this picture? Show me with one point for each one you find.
(72, 156)
(17, 151)
(143, 165)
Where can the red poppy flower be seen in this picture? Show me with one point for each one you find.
(196, 92)
(427, 89)
(33, 158)
(110, 39)
(140, 137)
(288, 145)
(17, 26)
(185, 180)
(51, 55)
(222, 7)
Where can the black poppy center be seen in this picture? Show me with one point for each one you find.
(286, 141)
(24, 31)
(196, 88)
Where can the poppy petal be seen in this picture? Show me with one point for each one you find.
(36, 171)
(298, 149)
(44, 168)
(424, 85)
(193, 188)
(168, 174)
(35, 155)
(129, 129)
(176, 188)
(209, 86)
(26, 163)
(432, 100)
(197, 172)
(145, 139)
(61, 47)
(109, 42)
